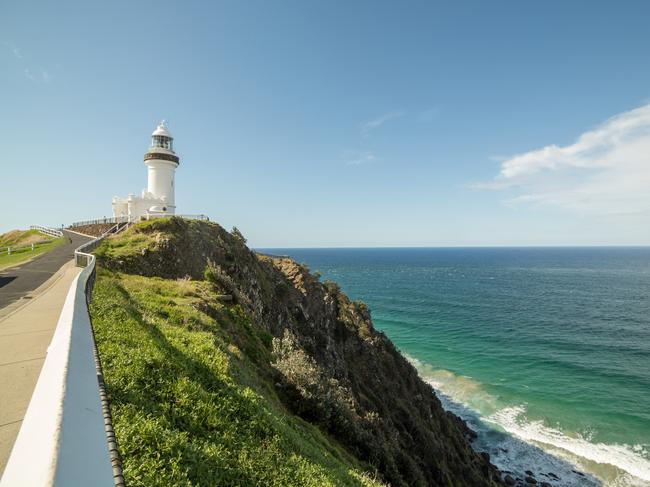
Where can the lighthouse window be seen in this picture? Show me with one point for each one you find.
(161, 141)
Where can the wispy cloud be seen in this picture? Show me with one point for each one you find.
(358, 158)
(14, 50)
(370, 125)
(32, 74)
(42, 77)
(605, 171)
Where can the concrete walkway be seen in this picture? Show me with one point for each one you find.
(28, 316)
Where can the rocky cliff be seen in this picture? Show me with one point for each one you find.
(325, 361)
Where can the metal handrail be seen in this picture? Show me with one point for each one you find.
(100, 221)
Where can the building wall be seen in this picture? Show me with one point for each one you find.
(161, 180)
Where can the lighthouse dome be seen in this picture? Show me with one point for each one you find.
(162, 130)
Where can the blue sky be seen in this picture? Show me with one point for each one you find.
(337, 123)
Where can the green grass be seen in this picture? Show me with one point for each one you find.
(128, 242)
(17, 237)
(192, 399)
(22, 255)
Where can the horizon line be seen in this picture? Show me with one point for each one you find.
(505, 246)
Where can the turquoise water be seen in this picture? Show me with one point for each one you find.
(546, 351)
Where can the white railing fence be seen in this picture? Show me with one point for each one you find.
(52, 232)
(126, 219)
(67, 438)
(21, 248)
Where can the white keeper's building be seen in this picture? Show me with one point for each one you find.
(158, 198)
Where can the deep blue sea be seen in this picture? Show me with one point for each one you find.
(545, 351)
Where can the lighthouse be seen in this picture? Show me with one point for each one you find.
(161, 162)
(158, 198)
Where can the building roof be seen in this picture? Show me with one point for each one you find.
(162, 130)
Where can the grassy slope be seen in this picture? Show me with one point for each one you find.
(191, 403)
(24, 237)
(19, 237)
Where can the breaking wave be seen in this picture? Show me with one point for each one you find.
(516, 443)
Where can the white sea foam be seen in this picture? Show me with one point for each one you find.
(516, 443)
(631, 459)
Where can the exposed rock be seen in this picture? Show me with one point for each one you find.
(332, 367)
(509, 480)
(530, 480)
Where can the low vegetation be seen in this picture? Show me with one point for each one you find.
(189, 404)
(21, 242)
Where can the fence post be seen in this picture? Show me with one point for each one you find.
(32, 246)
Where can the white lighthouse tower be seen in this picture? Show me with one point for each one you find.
(161, 162)
(158, 198)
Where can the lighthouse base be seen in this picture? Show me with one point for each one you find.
(135, 208)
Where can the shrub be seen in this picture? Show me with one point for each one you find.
(238, 235)
(332, 287)
(316, 396)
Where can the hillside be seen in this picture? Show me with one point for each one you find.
(20, 241)
(21, 237)
(226, 367)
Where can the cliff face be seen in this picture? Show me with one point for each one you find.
(327, 362)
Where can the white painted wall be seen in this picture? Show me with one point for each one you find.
(160, 179)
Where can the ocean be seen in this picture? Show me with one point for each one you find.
(544, 351)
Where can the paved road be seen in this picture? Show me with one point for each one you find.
(16, 282)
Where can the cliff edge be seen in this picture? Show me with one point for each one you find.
(311, 355)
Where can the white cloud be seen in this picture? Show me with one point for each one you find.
(605, 171)
(370, 125)
(43, 77)
(357, 159)
(32, 74)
